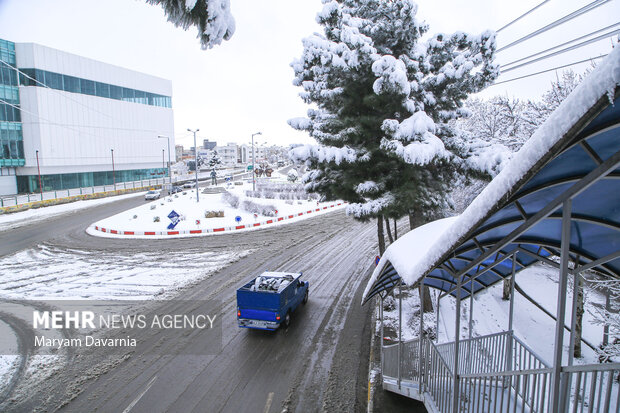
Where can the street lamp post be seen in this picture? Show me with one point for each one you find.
(39, 172)
(196, 161)
(113, 170)
(169, 164)
(253, 163)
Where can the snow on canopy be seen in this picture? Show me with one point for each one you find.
(409, 249)
(413, 265)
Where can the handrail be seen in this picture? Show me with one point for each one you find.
(591, 367)
(540, 359)
(508, 373)
(434, 347)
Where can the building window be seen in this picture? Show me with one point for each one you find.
(38, 77)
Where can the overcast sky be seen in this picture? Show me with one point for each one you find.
(244, 85)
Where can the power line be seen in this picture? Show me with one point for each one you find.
(564, 44)
(521, 16)
(549, 70)
(567, 49)
(562, 20)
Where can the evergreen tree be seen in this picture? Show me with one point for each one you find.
(212, 18)
(215, 160)
(384, 101)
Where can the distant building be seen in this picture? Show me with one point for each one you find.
(178, 152)
(206, 144)
(77, 121)
(228, 154)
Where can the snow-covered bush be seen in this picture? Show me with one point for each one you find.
(156, 219)
(292, 175)
(153, 206)
(266, 210)
(231, 199)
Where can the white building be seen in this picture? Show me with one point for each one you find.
(228, 154)
(87, 122)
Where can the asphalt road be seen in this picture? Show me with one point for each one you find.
(318, 364)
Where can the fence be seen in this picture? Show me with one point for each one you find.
(491, 381)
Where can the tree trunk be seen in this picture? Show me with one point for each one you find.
(389, 231)
(395, 230)
(579, 314)
(380, 235)
(506, 293)
(425, 292)
(425, 299)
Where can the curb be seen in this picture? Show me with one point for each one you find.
(211, 230)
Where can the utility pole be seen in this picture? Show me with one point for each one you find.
(196, 161)
(253, 163)
(169, 164)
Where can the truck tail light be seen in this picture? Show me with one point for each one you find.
(238, 313)
(278, 317)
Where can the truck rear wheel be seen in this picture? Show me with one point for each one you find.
(305, 297)
(287, 320)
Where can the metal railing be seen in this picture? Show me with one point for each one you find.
(15, 200)
(498, 373)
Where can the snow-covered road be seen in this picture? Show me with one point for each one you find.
(296, 367)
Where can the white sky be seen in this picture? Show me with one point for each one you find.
(244, 85)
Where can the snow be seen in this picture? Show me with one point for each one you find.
(603, 79)
(420, 152)
(193, 215)
(416, 125)
(54, 273)
(391, 76)
(409, 249)
(323, 154)
(530, 324)
(30, 216)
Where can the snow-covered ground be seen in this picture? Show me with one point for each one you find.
(54, 273)
(153, 216)
(530, 324)
(30, 216)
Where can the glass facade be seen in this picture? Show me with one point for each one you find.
(30, 183)
(38, 77)
(11, 140)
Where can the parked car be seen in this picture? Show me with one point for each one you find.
(175, 189)
(152, 194)
(267, 301)
(190, 184)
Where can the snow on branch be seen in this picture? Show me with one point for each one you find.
(371, 207)
(213, 18)
(323, 154)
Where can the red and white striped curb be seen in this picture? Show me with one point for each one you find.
(214, 230)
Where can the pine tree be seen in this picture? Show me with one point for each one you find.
(384, 101)
(212, 18)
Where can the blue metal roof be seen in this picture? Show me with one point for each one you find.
(583, 165)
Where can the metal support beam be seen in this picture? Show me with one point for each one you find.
(457, 339)
(556, 403)
(400, 329)
(381, 342)
(437, 319)
(605, 168)
(420, 336)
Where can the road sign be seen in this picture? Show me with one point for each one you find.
(377, 259)
(249, 167)
(238, 218)
(174, 217)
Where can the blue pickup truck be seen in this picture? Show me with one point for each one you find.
(268, 300)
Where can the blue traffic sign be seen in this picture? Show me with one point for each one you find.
(174, 217)
(238, 218)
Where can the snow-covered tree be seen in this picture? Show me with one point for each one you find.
(214, 160)
(212, 18)
(609, 316)
(384, 100)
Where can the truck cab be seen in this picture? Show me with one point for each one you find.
(267, 301)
